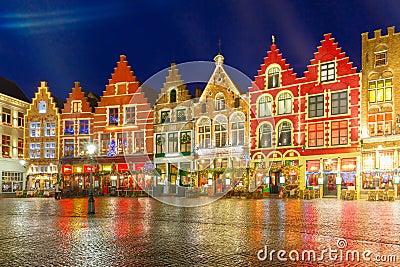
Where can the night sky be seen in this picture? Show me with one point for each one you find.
(66, 41)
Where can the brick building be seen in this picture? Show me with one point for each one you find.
(221, 133)
(380, 123)
(304, 131)
(173, 133)
(76, 130)
(123, 133)
(41, 145)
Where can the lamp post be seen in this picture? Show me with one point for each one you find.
(91, 148)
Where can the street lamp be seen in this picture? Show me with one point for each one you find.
(91, 148)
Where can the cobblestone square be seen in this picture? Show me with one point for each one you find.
(227, 232)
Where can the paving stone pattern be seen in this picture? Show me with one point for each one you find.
(228, 232)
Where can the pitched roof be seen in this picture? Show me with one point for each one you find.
(10, 88)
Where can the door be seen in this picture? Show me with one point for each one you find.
(330, 184)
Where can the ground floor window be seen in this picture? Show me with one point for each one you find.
(12, 181)
(373, 180)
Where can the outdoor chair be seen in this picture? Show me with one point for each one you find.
(316, 193)
(352, 195)
(344, 194)
(300, 194)
(390, 195)
(371, 195)
(381, 195)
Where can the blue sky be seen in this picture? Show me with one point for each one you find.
(66, 41)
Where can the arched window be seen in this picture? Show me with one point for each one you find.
(264, 107)
(219, 102)
(265, 136)
(204, 131)
(273, 77)
(284, 104)
(220, 131)
(237, 129)
(172, 96)
(285, 134)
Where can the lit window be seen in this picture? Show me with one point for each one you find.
(6, 116)
(339, 133)
(316, 135)
(284, 104)
(130, 115)
(285, 134)
(185, 141)
(139, 142)
(69, 127)
(122, 143)
(160, 144)
(34, 150)
(42, 106)
(219, 102)
(172, 142)
(237, 130)
(327, 72)
(265, 136)
(264, 107)
(50, 129)
(165, 116)
(380, 90)
(76, 106)
(35, 129)
(273, 77)
(20, 148)
(380, 59)
(104, 143)
(6, 146)
(113, 116)
(204, 130)
(220, 132)
(84, 126)
(68, 148)
(181, 115)
(50, 150)
(83, 143)
(316, 106)
(380, 123)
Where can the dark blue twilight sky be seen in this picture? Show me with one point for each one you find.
(66, 41)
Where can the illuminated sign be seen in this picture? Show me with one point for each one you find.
(66, 169)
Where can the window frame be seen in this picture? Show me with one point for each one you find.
(313, 106)
(325, 71)
(342, 97)
(316, 133)
(337, 133)
(273, 77)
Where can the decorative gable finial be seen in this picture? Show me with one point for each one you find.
(273, 39)
(219, 46)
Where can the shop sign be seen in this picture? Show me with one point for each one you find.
(107, 168)
(123, 167)
(139, 167)
(66, 169)
(87, 169)
(78, 169)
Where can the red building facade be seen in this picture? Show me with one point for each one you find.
(305, 131)
(123, 133)
(76, 129)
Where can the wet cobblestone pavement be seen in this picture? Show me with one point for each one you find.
(228, 232)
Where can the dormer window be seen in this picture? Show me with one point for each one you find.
(42, 106)
(327, 72)
(172, 96)
(220, 102)
(273, 77)
(380, 59)
(76, 106)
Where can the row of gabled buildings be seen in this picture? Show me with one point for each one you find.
(331, 128)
